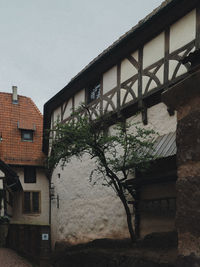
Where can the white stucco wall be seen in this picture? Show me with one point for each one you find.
(88, 212)
(127, 68)
(79, 98)
(183, 31)
(154, 50)
(42, 185)
(110, 80)
(158, 119)
(56, 115)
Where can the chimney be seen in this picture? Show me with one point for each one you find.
(14, 95)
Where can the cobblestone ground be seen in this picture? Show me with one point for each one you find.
(9, 258)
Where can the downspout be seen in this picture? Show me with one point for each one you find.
(49, 179)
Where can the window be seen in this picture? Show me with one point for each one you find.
(29, 174)
(27, 135)
(93, 92)
(31, 202)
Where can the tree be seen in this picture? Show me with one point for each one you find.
(116, 154)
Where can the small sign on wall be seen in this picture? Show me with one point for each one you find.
(45, 236)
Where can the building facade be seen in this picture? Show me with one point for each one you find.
(21, 128)
(128, 77)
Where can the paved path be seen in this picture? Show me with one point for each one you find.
(9, 258)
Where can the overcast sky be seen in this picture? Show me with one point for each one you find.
(45, 43)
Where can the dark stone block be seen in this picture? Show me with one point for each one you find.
(188, 209)
(182, 92)
(188, 138)
(188, 261)
(163, 240)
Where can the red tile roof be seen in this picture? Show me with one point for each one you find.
(12, 149)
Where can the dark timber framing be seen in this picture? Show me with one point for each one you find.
(198, 27)
(157, 22)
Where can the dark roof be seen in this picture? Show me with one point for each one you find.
(165, 145)
(12, 178)
(140, 23)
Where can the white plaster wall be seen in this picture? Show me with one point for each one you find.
(88, 212)
(172, 67)
(127, 69)
(158, 119)
(68, 109)
(159, 75)
(183, 31)
(110, 80)
(79, 98)
(154, 50)
(129, 96)
(57, 115)
(42, 185)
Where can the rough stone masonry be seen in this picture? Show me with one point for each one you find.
(185, 98)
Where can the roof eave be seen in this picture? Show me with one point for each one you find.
(144, 31)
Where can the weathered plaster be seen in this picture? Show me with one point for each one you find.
(87, 211)
(158, 119)
(183, 31)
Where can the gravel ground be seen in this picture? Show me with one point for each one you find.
(9, 258)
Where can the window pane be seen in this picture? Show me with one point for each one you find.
(29, 174)
(93, 92)
(27, 202)
(27, 135)
(35, 200)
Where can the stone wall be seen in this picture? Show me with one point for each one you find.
(185, 98)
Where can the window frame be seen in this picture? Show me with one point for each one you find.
(31, 202)
(91, 88)
(26, 175)
(23, 132)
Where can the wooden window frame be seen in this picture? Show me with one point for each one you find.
(31, 202)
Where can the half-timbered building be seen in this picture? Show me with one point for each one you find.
(127, 78)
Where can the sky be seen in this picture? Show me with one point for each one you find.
(45, 43)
